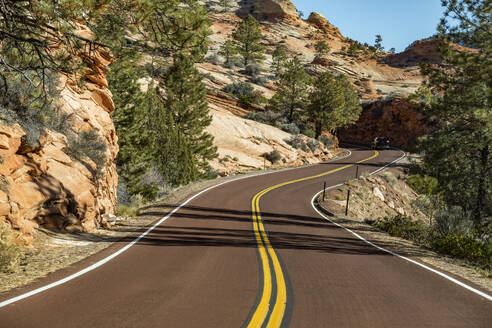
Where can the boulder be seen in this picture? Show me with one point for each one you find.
(319, 21)
(268, 9)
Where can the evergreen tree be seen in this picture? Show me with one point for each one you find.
(378, 44)
(279, 57)
(458, 154)
(163, 126)
(228, 51)
(333, 103)
(175, 28)
(185, 100)
(132, 127)
(248, 38)
(322, 48)
(292, 88)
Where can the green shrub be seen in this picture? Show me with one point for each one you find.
(10, 254)
(291, 128)
(214, 59)
(126, 211)
(465, 247)
(390, 178)
(309, 133)
(297, 142)
(327, 141)
(245, 93)
(253, 70)
(273, 156)
(239, 89)
(313, 144)
(260, 80)
(402, 226)
(451, 219)
(424, 184)
(257, 116)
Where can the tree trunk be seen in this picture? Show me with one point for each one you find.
(291, 112)
(481, 192)
(318, 129)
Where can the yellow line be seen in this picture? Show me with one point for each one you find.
(265, 248)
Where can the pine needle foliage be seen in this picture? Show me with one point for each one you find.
(333, 103)
(248, 38)
(292, 88)
(459, 153)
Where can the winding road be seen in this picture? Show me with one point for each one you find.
(251, 253)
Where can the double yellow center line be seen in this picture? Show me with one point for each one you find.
(264, 314)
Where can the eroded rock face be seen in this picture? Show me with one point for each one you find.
(47, 187)
(397, 119)
(322, 23)
(267, 9)
(422, 51)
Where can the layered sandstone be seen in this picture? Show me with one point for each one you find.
(397, 119)
(319, 21)
(422, 51)
(268, 9)
(45, 186)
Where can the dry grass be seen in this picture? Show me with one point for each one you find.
(10, 254)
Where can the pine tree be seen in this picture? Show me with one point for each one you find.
(175, 28)
(185, 99)
(279, 57)
(322, 48)
(228, 51)
(459, 153)
(132, 125)
(248, 38)
(378, 44)
(292, 87)
(333, 103)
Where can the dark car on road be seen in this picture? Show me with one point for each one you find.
(381, 143)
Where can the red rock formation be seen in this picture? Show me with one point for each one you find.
(396, 119)
(271, 9)
(421, 51)
(322, 23)
(45, 186)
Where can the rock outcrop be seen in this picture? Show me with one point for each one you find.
(422, 51)
(319, 21)
(47, 187)
(396, 119)
(268, 9)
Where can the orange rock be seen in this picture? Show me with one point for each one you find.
(396, 119)
(322, 23)
(103, 98)
(45, 185)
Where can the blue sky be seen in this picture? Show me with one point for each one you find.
(400, 22)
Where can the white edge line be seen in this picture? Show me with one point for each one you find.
(476, 291)
(124, 249)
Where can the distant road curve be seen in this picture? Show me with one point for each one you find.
(250, 253)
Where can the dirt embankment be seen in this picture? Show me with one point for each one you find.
(387, 195)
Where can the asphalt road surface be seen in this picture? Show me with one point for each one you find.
(251, 253)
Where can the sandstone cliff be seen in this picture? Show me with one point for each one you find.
(397, 119)
(47, 187)
(377, 76)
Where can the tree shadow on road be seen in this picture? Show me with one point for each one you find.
(193, 226)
